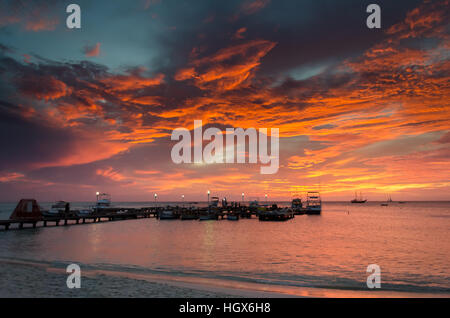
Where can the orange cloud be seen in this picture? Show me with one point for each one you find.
(239, 33)
(41, 25)
(11, 176)
(220, 72)
(110, 173)
(92, 51)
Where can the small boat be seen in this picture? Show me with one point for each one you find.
(358, 199)
(384, 204)
(167, 215)
(233, 217)
(297, 206)
(214, 202)
(276, 214)
(189, 215)
(313, 203)
(401, 202)
(60, 208)
(103, 201)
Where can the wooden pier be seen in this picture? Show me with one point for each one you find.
(28, 214)
(104, 216)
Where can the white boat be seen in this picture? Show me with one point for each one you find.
(313, 203)
(103, 201)
(58, 209)
(214, 202)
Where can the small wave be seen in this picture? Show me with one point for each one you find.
(266, 279)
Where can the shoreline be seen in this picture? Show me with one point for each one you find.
(44, 280)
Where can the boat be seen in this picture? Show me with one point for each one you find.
(389, 200)
(313, 203)
(358, 199)
(401, 202)
(297, 206)
(214, 202)
(103, 201)
(167, 215)
(60, 208)
(276, 214)
(189, 214)
(233, 217)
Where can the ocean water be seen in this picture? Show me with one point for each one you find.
(410, 243)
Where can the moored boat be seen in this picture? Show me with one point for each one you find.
(167, 215)
(276, 214)
(103, 202)
(297, 206)
(214, 202)
(189, 214)
(60, 208)
(313, 203)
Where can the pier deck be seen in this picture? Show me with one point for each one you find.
(21, 223)
(119, 214)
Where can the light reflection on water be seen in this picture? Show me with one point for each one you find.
(409, 242)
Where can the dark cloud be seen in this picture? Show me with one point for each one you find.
(25, 142)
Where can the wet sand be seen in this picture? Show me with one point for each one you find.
(36, 279)
(22, 280)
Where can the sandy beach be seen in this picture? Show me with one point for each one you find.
(37, 279)
(25, 280)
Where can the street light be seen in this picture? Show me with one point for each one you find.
(156, 196)
(242, 197)
(182, 198)
(266, 198)
(97, 194)
(209, 192)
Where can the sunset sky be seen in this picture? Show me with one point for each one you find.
(93, 109)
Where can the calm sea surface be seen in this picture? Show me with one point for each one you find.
(410, 242)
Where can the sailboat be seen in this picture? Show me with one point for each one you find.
(387, 201)
(358, 200)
